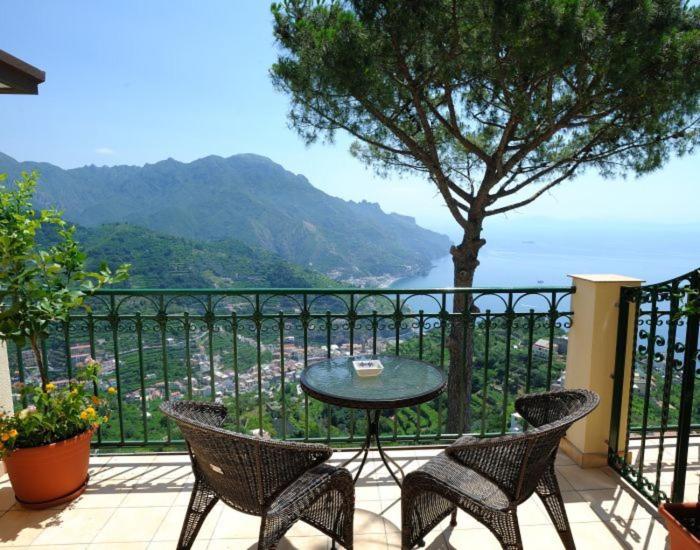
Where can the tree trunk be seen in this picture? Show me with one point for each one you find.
(36, 349)
(460, 342)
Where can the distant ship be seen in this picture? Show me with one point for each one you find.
(540, 282)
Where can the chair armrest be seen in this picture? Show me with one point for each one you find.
(285, 461)
(499, 459)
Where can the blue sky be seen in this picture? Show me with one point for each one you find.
(132, 82)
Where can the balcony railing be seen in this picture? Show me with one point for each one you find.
(247, 348)
(664, 392)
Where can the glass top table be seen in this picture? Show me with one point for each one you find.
(403, 382)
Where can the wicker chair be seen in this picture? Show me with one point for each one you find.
(488, 478)
(282, 482)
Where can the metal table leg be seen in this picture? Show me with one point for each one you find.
(373, 433)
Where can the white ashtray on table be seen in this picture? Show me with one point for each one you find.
(367, 367)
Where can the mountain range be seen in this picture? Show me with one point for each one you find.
(248, 199)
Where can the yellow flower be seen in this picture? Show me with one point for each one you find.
(105, 418)
(84, 415)
(50, 387)
(5, 436)
(13, 433)
(95, 399)
(74, 392)
(112, 390)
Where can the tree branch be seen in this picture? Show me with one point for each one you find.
(533, 197)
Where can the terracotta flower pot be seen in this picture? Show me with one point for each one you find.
(51, 474)
(682, 523)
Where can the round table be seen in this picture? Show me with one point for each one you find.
(403, 382)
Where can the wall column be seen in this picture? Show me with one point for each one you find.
(590, 362)
(5, 388)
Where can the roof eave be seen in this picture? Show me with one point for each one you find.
(19, 77)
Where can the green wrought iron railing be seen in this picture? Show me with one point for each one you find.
(664, 396)
(247, 348)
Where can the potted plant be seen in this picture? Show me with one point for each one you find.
(45, 446)
(683, 524)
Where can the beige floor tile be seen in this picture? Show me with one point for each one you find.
(647, 534)
(304, 543)
(465, 521)
(479, 538)
(7, 498)
(225, 544)
(588, 479)
(367, 522)
(545, 537)
(531, 513)
(389, 492)
(302, 529)
(393, 540)
(175, 474)
(563, 460)
(366, 491)
(170, 527)
(22, 527)
(127, 467)
(435, 539)
(426, 453)
(132, 525)
(107, 494)
(61, 547)
(618, 505)
(564, 484)
(143, 496)
(179, 458)
(391, 513)
(134, 459)
(594, 535)
(96, 459)
(183, 497)
(373, 541)
(578, 509)
(199, 544)
(235, 525)
(115, 546)
(75, 526)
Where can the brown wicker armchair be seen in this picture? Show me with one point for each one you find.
(488, 478)
(282, 482)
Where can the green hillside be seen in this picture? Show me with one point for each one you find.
(164, 261)
(247, 198)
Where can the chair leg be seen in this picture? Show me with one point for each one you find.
(201, 502)
(548, 490)
(510, 531)
(504, 525)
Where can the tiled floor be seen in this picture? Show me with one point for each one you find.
(139, 502)
(659, 463)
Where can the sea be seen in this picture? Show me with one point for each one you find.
(546, 254)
